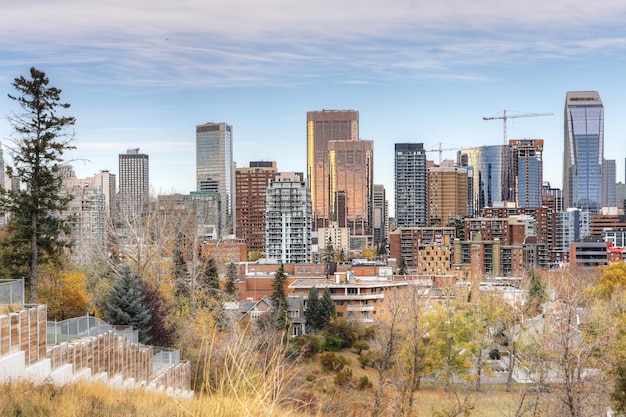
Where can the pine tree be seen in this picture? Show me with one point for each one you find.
(231, 278)
(313, 311)
(402, 268)
(327, 307)
(126, 306)
(40, 139)
(280, 319)
(180, 272)
(161, 332)
(209, 279)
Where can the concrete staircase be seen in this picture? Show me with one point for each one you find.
(108, 357)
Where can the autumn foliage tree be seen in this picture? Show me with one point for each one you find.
(64, 292)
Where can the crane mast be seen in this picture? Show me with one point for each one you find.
(504, 118)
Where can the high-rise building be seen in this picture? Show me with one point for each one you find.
(379, 214)
(583, 151)
(410, 184)
(527, 171)
(609, 197)
(88, 228)
(251, 189)
(351, 182)
(288, 219)
(215, 168)
(322, 128)
(447, 193)
(107, 183)
(134, 189)
(487, 175)
(572, 226)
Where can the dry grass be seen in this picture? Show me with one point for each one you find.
(9, 308)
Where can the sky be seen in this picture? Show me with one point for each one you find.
(142, 74)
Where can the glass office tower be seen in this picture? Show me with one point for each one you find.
(333, 196)
(487, 175)
(215, 168)
(583, 150)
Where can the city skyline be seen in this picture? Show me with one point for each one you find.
(424, 74)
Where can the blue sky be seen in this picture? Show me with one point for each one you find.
(145, 73)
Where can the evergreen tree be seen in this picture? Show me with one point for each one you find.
(402, 268)
(40, 139)
(319, 311)
(313, 311)
(280, 319)
(536, 294)
(209, 279)
(180, 273)
(231, 278)
(126, 306)
(329, 252)
(327, 307)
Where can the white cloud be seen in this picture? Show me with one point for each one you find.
(282, 42)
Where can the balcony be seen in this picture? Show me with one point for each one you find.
(360, 308)
(358, 297)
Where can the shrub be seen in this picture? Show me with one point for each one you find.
(494, 354)
(363, 383)
(333, 342)
(332, 362)
(364, 361)
(343, 377)
(360, 346)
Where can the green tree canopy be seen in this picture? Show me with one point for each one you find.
(231, 279)
(40, 137)
(278, 297)
(126, 305)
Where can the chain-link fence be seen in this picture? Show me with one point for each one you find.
(163, 358)
(67, 330)
(11, 291)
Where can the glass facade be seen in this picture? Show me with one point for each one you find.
(487, 175)
(330, 200)
(215, 168)
(527, 169)
(583, 150)
(351, 183)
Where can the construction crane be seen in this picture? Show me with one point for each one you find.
(504, 118)
(441, 150)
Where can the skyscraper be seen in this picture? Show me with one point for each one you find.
(583, 150)
(410, 184)
(351, 182)
(487, 175)
(134, 190)
(215, 169)
(251, 190)
(322, 128)
(527, 172)
(609, 196)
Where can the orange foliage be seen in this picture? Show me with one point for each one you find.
(64, 292)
